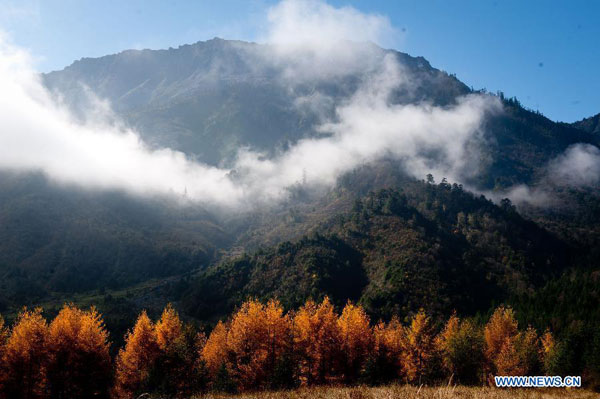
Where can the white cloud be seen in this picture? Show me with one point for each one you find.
(311, 39)
(317, 26)
(579, 165)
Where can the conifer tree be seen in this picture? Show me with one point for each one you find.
(135, 363)
(79, 364)
(215, 352)
(316, 341)
(461, 346)
(418, 349)
(376, 364)
(258, 337)
(393, 343)
(507, 362)
(500, 334)
(174, 371)
(356, 340)
(25, 357)
(528, 350)
(168, 329)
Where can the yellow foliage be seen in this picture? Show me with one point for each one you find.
(393, 339)
(169, 328)
(460, 345)
(501, 327)
(316, 340)
(548, 342)
(509, 351)
(356, 338)
(507, 361)
(214, 351)
(25, 356)
(418, 348)
(79, 363)
(134, 362)
(258, 337)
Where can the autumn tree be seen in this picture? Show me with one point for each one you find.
(383, 362)
(418, 348)
(508, 351)
(258, 337)
(135, 363)
(500, 333)
(461, 346)
(355, 339)
(215, 351)
(79, 364)
(25, 357)
(528, 351)
(215, 355)
(519, 355)
(316, 341)
(174, 371)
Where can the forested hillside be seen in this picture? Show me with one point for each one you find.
(382, 235)
(393, 251)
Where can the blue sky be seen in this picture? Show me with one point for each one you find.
(546, 53)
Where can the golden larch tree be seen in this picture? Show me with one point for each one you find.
(418, 349)
(79, 364)
(528, 351)
(356, 340)
(215, 352)
(316, 341)
(501, 327)
(461, 347)
(169, 329)
(25, 357)
(258, 337)
(136, 361)
(175, 370)
(393, 344)
(507, 361)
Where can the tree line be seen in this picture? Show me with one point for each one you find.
(261, 347)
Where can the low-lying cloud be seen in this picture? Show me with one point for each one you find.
(579, 165)
(40, 134)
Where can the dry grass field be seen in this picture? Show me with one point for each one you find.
(411, 392)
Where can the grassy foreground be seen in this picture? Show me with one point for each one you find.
(411, 392)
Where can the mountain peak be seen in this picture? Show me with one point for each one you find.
(590, 125)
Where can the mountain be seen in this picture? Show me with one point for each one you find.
(381, 237)
(209, 98)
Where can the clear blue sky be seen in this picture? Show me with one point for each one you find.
(546, 53)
